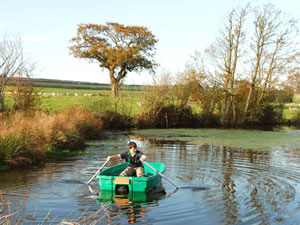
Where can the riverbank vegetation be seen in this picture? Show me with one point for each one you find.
(30, 133)
(11, 213)
(25, 139)
(247, 77)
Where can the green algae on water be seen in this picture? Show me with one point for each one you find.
(245, 139)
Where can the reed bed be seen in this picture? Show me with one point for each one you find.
(25, 139)
(11, 214)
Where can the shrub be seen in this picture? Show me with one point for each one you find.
(116, 120)
(296, 118)
(270, 114)
(70, 127)
(25, 139)
(170, 116)
(25, 96)
(115, 113)
(17, 147)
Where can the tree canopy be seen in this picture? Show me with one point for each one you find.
(118, 48)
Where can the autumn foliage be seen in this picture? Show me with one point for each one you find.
(24, 140)
(118, 48)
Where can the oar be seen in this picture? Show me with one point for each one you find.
(97, 172)
(161, 174)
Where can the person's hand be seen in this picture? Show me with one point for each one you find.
(142, 159)
(108, 158)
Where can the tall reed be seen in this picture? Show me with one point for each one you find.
(25, 139)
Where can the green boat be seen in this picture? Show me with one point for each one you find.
(109, 179)
(137, 197)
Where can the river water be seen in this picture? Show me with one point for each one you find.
(226, 177)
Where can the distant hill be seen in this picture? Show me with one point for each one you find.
(67, 84)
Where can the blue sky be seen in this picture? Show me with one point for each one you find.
(181, 26)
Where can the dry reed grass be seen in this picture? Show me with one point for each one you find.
(25, 139)
(11, 214)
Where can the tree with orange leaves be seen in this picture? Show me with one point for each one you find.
(118, 48)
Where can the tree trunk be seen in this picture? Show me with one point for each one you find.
(224, 113)
(249, 97)
(115, 89)
(2, 106)
(114, 83)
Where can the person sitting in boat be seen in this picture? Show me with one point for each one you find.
(134, 160)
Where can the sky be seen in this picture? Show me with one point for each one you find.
(181, 27)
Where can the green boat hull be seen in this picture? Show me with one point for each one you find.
(110, 181)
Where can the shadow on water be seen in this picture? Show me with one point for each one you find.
(195, 188)
(73, 182)
(225, 177)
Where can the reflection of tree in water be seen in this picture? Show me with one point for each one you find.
(250, 183)
(228, 186)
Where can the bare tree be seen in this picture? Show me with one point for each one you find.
(294, 80)
(249, 69)
(226, 52)
(156, 97)
(204, 85)
(274, 48)
(12, 63)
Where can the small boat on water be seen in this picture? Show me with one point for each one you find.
(155, 194)
(109, 179)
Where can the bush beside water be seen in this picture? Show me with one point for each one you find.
(29, 135)
(25, 139)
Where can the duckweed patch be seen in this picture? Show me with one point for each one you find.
(245, 139)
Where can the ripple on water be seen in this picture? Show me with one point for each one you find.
(259, 186)
(247, 187)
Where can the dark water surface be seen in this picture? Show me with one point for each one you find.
(228, 177)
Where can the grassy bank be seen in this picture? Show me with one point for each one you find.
(25, 139)
(58, 99)
(65, 118)
(58, 95)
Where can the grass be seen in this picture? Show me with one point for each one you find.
(65, 122)
(72, 85)
(130, 98)
(24, 140)
(12, 213)
(85, 86)
(290, 114)
(296, 99)
(56, 104)
(73, 91)
(38, 82)
(59, 103)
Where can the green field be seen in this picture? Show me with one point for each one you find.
(130, 96)
(51, 83)
(78, 97)
(291, 111)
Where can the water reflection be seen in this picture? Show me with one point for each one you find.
(134, 205)
(253, 186)
(248, 185)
